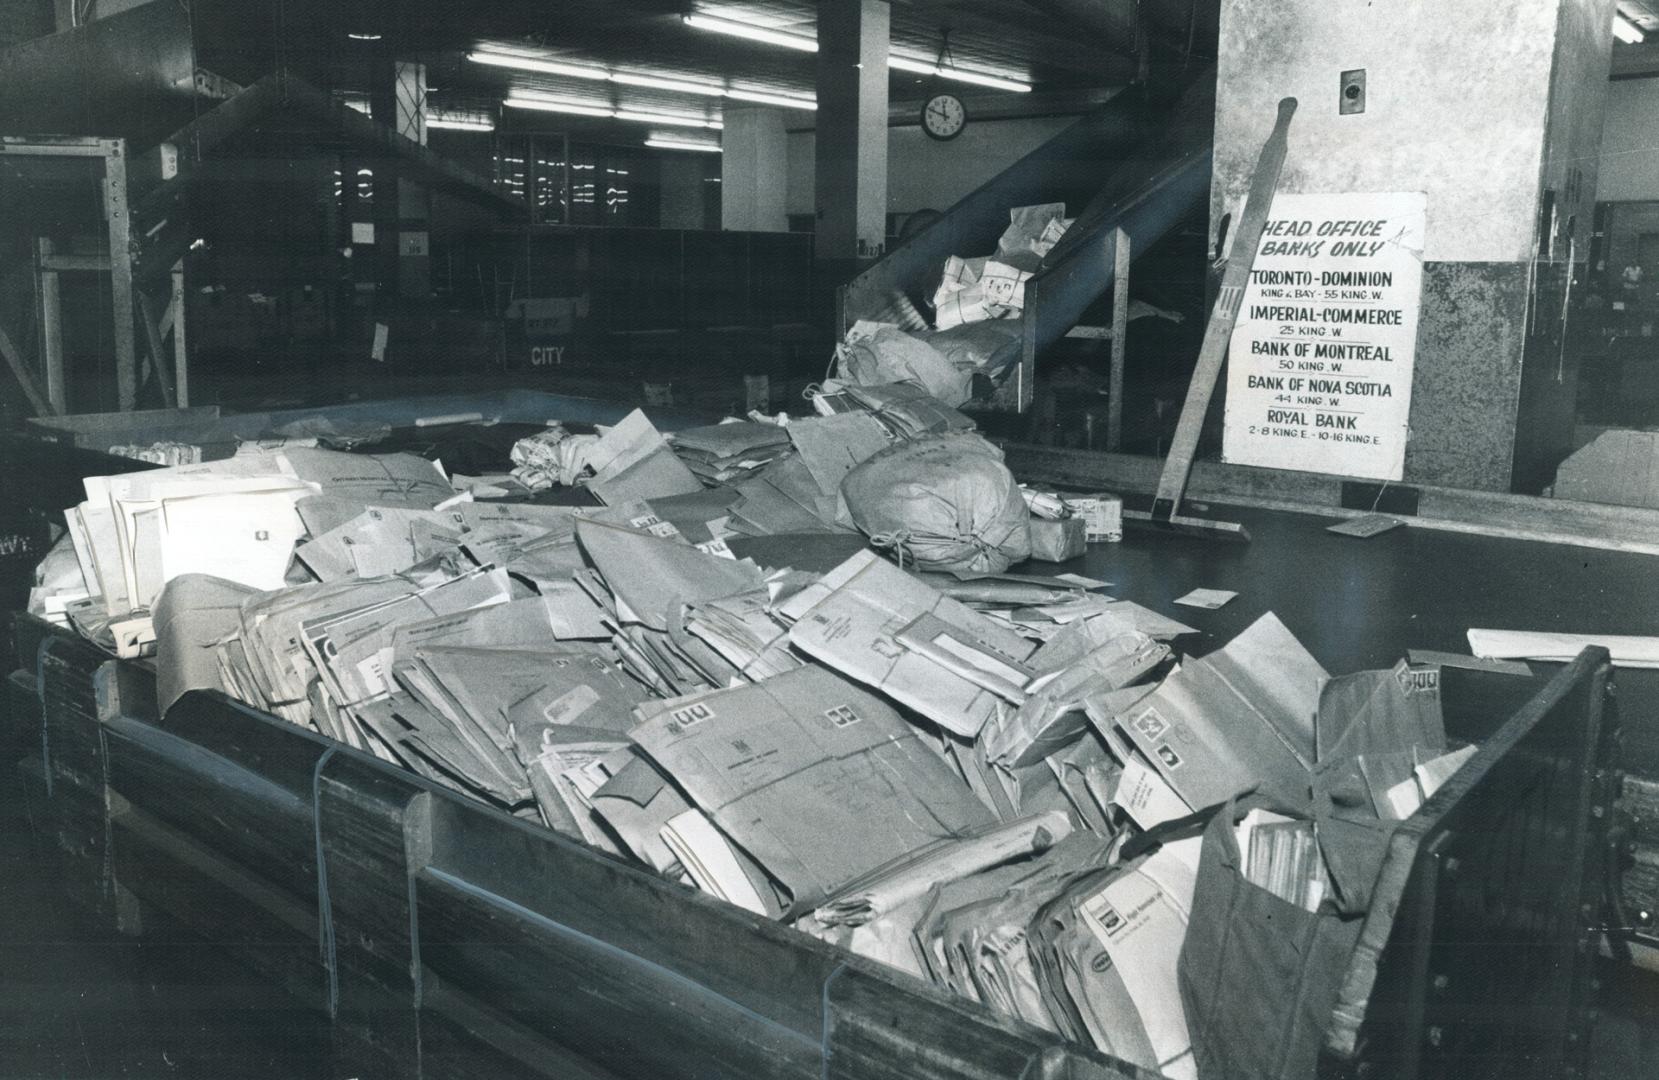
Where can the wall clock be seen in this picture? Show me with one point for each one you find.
(943, 116)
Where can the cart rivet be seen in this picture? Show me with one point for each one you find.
(1436, 1035)
(1441, 982)
(1451, 865)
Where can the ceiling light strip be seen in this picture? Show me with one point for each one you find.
(535, 63)
(897, 63)
(675, 144)
(978, 78)
(663, 82)
(732, 28)
(449, 123)
(641, 116)
(629, 78)
(763, 98)
(570, 107)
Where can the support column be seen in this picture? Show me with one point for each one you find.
(852, 130)
(120, 267)
(1497, 123)
(402, 210)
(383, 207)
(414, 202)
(754, 171)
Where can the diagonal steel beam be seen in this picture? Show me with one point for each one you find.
(25, 378)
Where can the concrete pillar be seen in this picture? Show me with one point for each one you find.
(397, 98)
(754, 170)
(1496, 121)
(851, 139)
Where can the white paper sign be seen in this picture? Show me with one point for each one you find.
(1319, 367)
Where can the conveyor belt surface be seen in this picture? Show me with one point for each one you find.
(1361, 604)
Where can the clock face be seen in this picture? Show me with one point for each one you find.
(943, 117)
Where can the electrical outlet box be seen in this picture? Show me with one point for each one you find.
(1351, 98)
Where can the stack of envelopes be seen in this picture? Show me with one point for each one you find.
(722, 453)
(817, 780)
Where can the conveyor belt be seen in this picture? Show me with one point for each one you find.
(1137, 163)
(1362, 603)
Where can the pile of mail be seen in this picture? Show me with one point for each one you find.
(236, 518)
(712, 675)
(554, 456)
(722, 453)
(993, 286)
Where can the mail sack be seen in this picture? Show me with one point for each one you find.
(984, 348)
(1268, 947)
(943, 503)
(874, 354)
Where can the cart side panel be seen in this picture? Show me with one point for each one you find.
(1475, 956)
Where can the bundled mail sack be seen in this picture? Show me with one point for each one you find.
(943, 503)
(990, 348)
(874, 354)
(1260, 976)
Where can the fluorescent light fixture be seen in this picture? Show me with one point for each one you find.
(806, 44)
(666, 118)
(574, 108)
(675, 144)
(578, 108)
(631, 78)
(364, 37)
(733, 28)
(1626, 30)
(660, 82)
(531, 63)
(923, 67)
(810, 45)
(764, 98)
(459, 123)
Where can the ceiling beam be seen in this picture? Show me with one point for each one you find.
(1100, 57)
